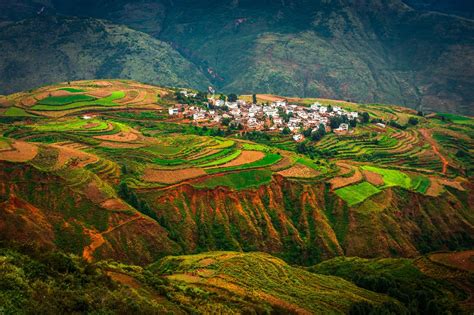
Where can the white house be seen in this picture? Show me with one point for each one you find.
(277, 121)
(279, 103)
(298, 137)
(173, 111)
(199, 116)
(315, 106)
(323, 110)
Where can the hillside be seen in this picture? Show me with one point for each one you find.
(100, 170)
(218, 282)
(390, 52)
(131, 174)
(56, 48)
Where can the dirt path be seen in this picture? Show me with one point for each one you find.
(462, 260)
(97, 239)
(433, 144)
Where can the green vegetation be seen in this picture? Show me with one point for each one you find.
(420, 184)
(239, 180)
(64, 100)
(255, 147)
(391, 177)
(268, 159)
(223, 160)
(357, 193)
(400, 279)
(72, 90)
(17, 112)
(77, 101)
(457, 119)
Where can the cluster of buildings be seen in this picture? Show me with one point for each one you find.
(275, 116)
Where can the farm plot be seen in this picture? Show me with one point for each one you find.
(357, 193)
(299, 171)
(391, 177)
(241, 180)
(267, 160)
(60, 103)
(20, 152)
(17, 112)
(354, 176)
(171, 176)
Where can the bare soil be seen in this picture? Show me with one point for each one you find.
(172, 176)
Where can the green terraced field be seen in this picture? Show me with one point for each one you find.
(59, 103)
(223, 160)
(391, 177)
(17, 112)
(268, 159)
(72, 90)
(357, 193)
(239, 181)
(65, 100)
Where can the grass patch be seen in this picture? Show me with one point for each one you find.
(64, 100)
(75, 101)
(268, 160)
(458, 119)
(241, 180)
(72, 90)
(391, 177)
(223, 160)
(17, 112)
(357, 193)
(255, 147)
(420, 184)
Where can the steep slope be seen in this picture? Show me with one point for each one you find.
(48, 49)
(218, 282)
(48, 212)
(307, 223)
(424, 284)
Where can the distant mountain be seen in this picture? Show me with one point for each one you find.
(48, 49)
(367, 50)
(463, 8)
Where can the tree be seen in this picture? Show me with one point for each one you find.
(365, 117)
(232, 97)
(286, 131)
(322, 130)
(254, 98)
(123, 192)
(307, 132)
(413, 121)
(353, 123)
(223, 97)
(329, 108)
(225, 121)
(315, 136)
(334, 122)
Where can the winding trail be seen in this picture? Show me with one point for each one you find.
(433, 144)
(97, 239)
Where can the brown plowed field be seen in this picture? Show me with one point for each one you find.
(339, 182)
(373, 178)
(244, 158)
(22, 152)
(171, 176)
(299, 170)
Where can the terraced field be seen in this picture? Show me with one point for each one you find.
(115, 131)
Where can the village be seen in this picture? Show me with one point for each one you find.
(277, 116)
